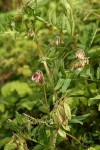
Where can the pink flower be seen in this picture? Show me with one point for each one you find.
(80, 54)
(38, 77)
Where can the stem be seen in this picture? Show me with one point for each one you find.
(48, 72)
(53, 139)
(68, 54)
(45, 64)
(37, 121)
(75, 139)
(94, 36)
(53, 133)
(45, 107)
(88, 89)
(45, 96)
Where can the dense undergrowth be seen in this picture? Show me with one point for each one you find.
(50, 76)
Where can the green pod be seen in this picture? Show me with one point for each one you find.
(61, 111)
(57, 118)
(67, 110)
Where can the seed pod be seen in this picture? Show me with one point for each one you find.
(61, 111)
(67, 110)
(57, 118)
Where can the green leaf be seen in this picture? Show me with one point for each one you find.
(65, 85)
(68, 26)
(19, 119)
(21, 147)
(59, 84)
(87, 36)
(67, 6)
(63, 22)
(38, 147)
(90, 72)
(69, 17)
(12, 146)
(99, 107)
(2, 108)
(82, 117)
(54, 18)
(62, 133)
(28, 105)
(26, 71)
(21, 88)
(62, 68)
(65, 126)
(42, 137)
(98, 73)
(93, 100)
(12, 125)
(76, 121)
(91, 148)
(4, 141)
(97, 147)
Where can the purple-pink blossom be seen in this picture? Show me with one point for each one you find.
(38, 77)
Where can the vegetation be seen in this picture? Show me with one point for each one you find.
(50, 75)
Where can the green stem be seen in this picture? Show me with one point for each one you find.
(48, 72)
(47, 106)
(45, 96)
(53, 133)
(53, 139)
(75, 139)
(45, 64)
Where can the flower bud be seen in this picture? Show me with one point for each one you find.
(86, 61)
(58, 41)
(31, 33)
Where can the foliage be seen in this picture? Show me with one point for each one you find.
(59, 43)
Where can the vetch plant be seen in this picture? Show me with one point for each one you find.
(61, 84)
